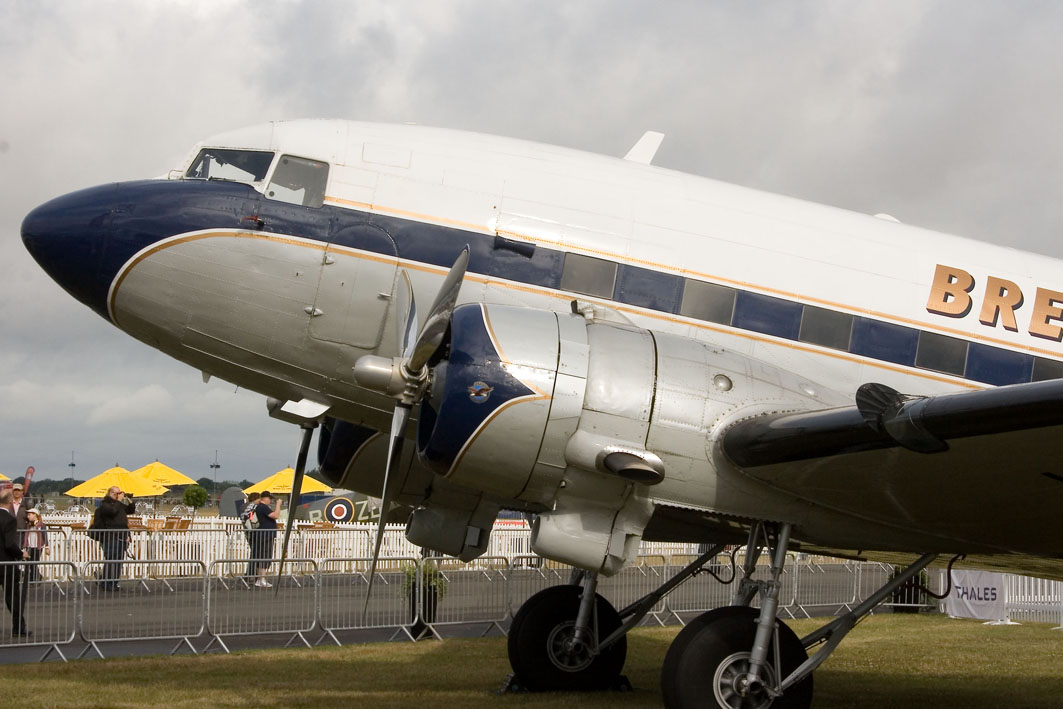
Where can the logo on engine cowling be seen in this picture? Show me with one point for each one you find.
(479, 392)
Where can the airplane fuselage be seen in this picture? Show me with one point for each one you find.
(280, 287)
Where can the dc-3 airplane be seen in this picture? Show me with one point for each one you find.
(621, 351)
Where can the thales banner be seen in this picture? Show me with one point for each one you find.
(977, 594)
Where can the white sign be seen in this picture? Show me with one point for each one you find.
(977, 594)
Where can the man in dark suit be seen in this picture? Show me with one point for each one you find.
(11, 574)
(19, 506)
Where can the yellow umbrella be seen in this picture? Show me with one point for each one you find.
(4, 477)
(162, 474)
(127, 481)
(281, 482)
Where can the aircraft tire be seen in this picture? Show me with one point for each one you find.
(712, 648)
(538, 632)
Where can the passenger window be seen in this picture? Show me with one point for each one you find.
(1047, 369)
(767, 314)
(708, 302)
(883, 340)
(996, 366)
(299, 181)
(941, 353)
(828, 328)
(234, 165)
(589, 275)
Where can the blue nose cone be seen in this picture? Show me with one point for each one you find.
(68, 237)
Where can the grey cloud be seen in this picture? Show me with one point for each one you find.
(944, 114)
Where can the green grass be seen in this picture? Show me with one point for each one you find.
(888, 661)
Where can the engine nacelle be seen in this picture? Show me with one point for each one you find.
(588, 420)
(482, 424)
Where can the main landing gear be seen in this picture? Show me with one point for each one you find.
(553, 641)
(570, 638)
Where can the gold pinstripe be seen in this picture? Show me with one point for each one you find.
(923, 325)
(540, 291)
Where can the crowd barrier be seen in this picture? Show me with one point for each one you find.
(343, 585)
(1033, 600)
(202, 605)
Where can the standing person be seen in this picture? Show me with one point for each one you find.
(34, 543)
(112, 520)
(11, 574)
(18, 505)
(250, 522)
(265, 536)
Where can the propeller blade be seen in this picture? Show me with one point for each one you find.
(297, 485)
(405, 315)
(399, 419)
(435, 325)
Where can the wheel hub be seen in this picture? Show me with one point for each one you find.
(567, 651)
(733, 687)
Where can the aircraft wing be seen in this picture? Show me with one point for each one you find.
(979, 470)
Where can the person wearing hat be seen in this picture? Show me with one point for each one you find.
(264, 537)
(111, 518)
(19, 505)
(34, 543)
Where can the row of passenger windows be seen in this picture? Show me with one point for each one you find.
(302, 181)
(786, 319)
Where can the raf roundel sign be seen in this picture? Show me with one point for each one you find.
(339, 510)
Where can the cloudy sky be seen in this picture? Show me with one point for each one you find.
(944, 114)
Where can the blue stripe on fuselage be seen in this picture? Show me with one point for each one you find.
(83, 239)
(142, 213)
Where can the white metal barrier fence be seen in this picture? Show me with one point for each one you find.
(183, 600)
(342, 588)
(154, 607)
(214, 539)
(42, 606)
(241, 608)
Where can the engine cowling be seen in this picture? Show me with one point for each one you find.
(588, 419)
(482, 423)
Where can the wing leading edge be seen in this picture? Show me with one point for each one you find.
(974, 472)
(883, 418)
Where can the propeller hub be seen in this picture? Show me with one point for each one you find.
(381, 374)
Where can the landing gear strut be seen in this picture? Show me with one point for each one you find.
(710, 658)
(744, 657)
(737, 654)
(570, 638)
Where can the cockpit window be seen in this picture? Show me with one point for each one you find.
(235, 165)
(299, 181)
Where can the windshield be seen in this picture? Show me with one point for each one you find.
(299, 181)
(227, 164)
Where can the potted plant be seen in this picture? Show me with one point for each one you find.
(426, 583)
